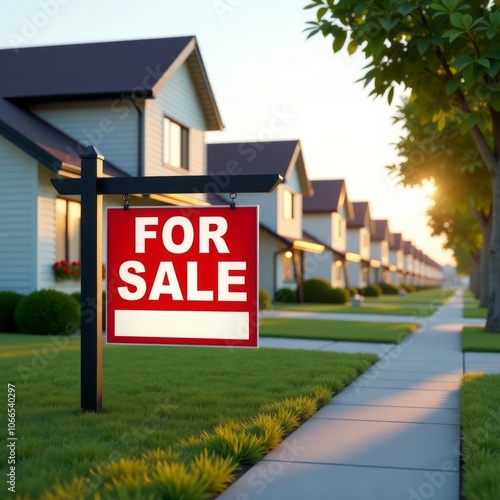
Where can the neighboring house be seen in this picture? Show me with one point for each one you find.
(282, 242)
(381, 239)
(326, 215)
(418, 267)
(145, 104)
(396, 259)
(359, 230)
(408, 250)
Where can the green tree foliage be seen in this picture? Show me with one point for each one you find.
(447, 54)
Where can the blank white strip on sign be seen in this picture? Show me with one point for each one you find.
(183, 324)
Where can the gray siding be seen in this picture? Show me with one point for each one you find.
(111, 126)
(46, 230)
(178, 101)
(319, 225)
(18, 209)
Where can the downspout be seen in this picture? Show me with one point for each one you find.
(140, 161)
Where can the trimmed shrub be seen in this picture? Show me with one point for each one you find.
(8, 303)
(317, 290)
(409, 288)
(389, 288)
(285, 295)
(264, 300)
(339, 295)
(48, 312)
(353, 291)
(371, 291)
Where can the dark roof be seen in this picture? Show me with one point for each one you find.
(397, 242)
(361, 212)
(104, 69)
(42, 141)
(247, 158)
(381, 227)
(330, 195)
(408, 247)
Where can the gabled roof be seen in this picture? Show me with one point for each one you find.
(330, 195)
(42, 141)
(247, 158)
(103, 70)
(381, 231)
(361, 212)
(397, 242)
(408, 247)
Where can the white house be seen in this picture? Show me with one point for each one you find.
(380, 242)
(359, 230)
(396, 259)
(326, 215)
(145, 104)
(282, 242)
(408, 249)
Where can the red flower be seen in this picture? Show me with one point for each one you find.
(76, 273)
(57, 265)
(66, 270)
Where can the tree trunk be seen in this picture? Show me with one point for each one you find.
(474, 276)
(493, 319)
(485, 223)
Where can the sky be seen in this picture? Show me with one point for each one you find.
(269, 84)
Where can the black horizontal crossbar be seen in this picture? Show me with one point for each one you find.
(264, 183)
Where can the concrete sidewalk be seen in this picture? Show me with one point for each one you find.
(393, 434)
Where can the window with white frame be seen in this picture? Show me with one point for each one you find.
(288, 205)
(68, 217)
(175, 144)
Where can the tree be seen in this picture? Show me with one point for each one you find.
(453, 163)
(447, 54)
(463, 235)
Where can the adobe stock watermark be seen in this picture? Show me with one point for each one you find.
(267, 471)
(225, 7)
(31, 25)
(436, 479)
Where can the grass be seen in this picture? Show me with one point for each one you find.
(434, 296)
(162, 407)
(472, 311)
(391, 309)
(480, 428)
(354, 331)
(476, 339)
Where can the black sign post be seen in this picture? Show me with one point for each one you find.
(92, 186)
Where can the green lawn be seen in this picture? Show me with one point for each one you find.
(480, 429)
(392, 309)
(475, 339)
(362, 331)
(472, 311)
(435, 296)
(153, 398)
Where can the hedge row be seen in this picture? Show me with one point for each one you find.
(42, 312)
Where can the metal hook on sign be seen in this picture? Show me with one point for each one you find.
(233, 197)
(126, 198)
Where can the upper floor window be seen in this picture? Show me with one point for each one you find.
(175, 144)
(68, 215)
(288, 205)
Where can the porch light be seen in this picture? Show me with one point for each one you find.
(353, 257)
(338, 263)
(375, 263)
(288, 254)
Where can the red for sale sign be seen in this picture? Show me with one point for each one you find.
(183, 276)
